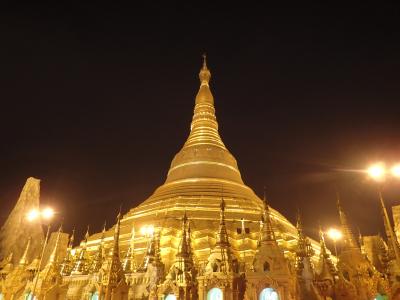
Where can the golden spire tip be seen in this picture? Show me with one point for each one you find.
(204, 61)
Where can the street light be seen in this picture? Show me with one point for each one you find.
(334, 235)
(147, 230)
(395, 171)
(377, 171)
(40, 215)
(47, 213)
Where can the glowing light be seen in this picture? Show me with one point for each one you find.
(215, 294)
(48, 213)
(33, 215)
(377, 171)
(147, 230)
(396, 171)
(334, 234)
(150, 230)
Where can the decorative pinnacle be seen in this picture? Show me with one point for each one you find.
(24, 259)
(322, 241)
(267, 233)
(349, 240)
(103, 233)
(71, 239)
(265, 194)
(183, 245)
(222, 211)
(266, 206)
(184, 221)
(204, 61)
(204, 74)
(87, 234)
(118, 222)
(299, 224)
(53, 256)
(104, 226)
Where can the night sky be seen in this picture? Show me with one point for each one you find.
(96, 101)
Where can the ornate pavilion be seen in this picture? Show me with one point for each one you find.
(203, 234)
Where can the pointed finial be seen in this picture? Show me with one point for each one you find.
(267, 233)
(299, 224)
(322, 240)
(183, 243)
(24, 259)
(204, 61)
(338, 200)
(321, 232)
(53, 255)
(119, 212)
(72, 238)
(349, 241)
(184, 218)
(104, 228)
(87, 233)
(117, 227)
(265, 194)
(204, 74)
(103, 232)
(189, 229)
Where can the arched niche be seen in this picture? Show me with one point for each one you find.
(215, 294)
(95, 296)
(268, 294)
(170, 297)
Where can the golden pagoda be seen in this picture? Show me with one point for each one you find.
(201, 235)
(201, 174)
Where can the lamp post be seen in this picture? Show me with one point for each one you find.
(334, 235)
(379, 173)
(43, 216)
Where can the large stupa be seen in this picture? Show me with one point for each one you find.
(205, 235)
(201, 174)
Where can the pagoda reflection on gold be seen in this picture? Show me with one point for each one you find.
(204, 234)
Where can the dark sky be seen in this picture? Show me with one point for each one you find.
(96, 100)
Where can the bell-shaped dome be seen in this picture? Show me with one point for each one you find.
(201, 174)
(204, 155)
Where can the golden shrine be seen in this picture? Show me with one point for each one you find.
(203, 234)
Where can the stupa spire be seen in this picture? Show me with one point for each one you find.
(98, 259)
(24, 259)
(222, 236)
(205, 74)
(66, 266)
(393, 243)
(189, 241)
(115, 274)
(129, 263)
(183, 249)
(81, 266)
(71, 239)
(54, 256)
(322, 243)
(326, 268)
(267, 233)
(304, 250)
(203, 138)
(349, 241)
